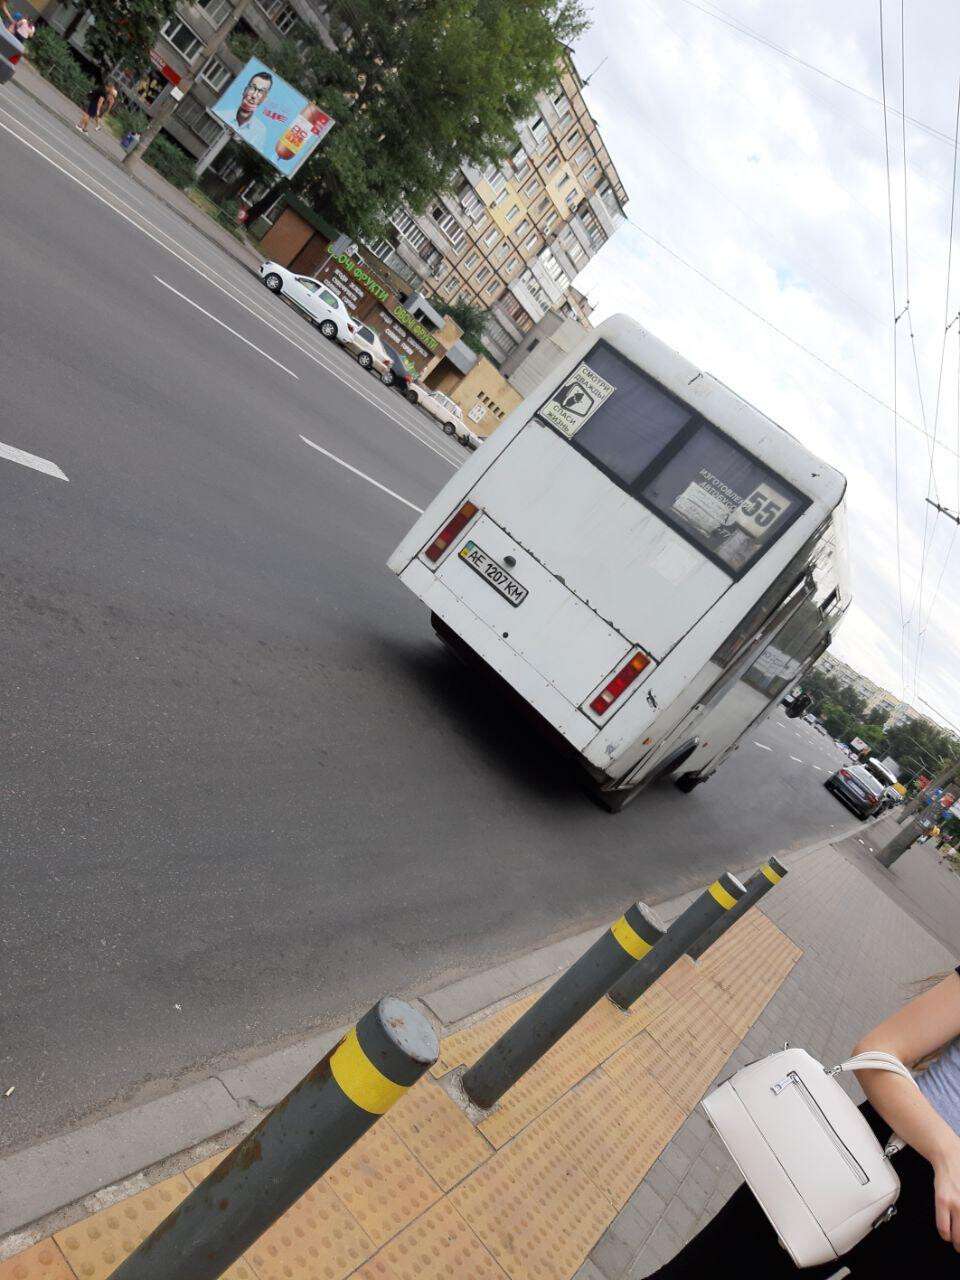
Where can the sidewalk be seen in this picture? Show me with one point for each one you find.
(597, 1164)
(29, 83)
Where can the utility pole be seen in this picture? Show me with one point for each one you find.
(216, 41)
(913, 829)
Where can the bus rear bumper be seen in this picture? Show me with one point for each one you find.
(478, 637)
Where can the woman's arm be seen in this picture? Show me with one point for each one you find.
(920, 1028)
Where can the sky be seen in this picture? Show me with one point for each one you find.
(769, 179)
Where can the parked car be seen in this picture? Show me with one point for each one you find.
(398, 375)
(438, 406)
(11, 51)
(891, 797)
(316, 300)
(469, 439)
(858, 789)
(365, 344)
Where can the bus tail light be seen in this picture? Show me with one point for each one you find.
(619, 684)
(447, 534)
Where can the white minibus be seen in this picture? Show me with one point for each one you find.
(645, 558)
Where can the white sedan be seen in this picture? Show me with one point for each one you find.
(438, 405)
(316, 300)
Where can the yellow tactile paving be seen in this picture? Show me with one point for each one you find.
(438, 1133)
(685, 1078)
(382, 1184)
(438, 1246)
(43, 1261)
(197, 1172)
(613, 1134)
(680, 977)
(534, 1209)
(463, 1048)
(316, 1239)
(96, 1246)
(693, 1027)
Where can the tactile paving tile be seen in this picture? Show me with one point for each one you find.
(613, 1134)
(316, 1239)
(197, 1172)
(463, 1048)
(684, 1077)
(43, 1261)
(381, 1184)
(438, 1133)
(680, 977)
(537, 1213)
(438, 1246)
(691, 1025)
(96, 1246)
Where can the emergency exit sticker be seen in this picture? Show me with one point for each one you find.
(577, 400)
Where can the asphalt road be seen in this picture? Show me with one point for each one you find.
(245, 791)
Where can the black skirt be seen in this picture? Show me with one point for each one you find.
(908, 1245)
(94, 102)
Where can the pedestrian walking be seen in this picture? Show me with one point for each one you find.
(99, 104)
(923, 1238)
(17, 24)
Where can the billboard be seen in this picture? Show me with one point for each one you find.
(858, 744)
(272, 117)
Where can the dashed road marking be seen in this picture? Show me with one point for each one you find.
(210, 316)
(31, 460)
(797, 758)
(363, 475)
(762, 746)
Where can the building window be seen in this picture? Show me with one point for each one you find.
(553, 163)
(543, 206)
(409, 230)
(482, 275)
(572, 198)
(450, 227)
(512, 264)
(176, 32)
(494, 178)
(470, 202)
(563, 182)
(575, 251)
(513, 212)
(541, 134)
(550, 221)
(193, 114)
(470, 262)
(450, 283)
(520, 161)
(523, 228)
(583, 155)
(531, 188)
(491, 238)
(216, 10)
(280, 14)
(531, 241)
(588, 175)
(573, 138)
(492, 287)
(215, 73)
(502, 251)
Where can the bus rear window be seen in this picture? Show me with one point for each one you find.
(661, 451)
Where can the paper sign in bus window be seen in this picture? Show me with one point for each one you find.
(577, 400)
(761, 510)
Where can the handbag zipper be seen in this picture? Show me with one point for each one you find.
(792, 1079)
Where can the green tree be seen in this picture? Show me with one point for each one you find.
(850, 700)
(416, 87)
(471, 320)
(837, 719)
(872, 734)
(124, 31)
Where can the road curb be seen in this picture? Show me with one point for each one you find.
(49, 1186)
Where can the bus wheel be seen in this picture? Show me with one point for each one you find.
(687, 781)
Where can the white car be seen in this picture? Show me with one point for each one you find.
(316, 300)
(438, 405)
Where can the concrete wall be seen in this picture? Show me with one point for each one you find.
(552, 339)
(483, 392)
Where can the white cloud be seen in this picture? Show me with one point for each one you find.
(771, 180)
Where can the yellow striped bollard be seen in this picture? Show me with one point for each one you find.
(761, 882)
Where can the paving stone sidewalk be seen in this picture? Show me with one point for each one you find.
(867, 935)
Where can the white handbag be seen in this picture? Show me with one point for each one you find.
(806, 1152)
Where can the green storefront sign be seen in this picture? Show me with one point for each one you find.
(366, 281)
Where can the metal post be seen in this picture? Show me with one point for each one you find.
(576, 991)
(362, 1077)
(761, 882)
(711, 906)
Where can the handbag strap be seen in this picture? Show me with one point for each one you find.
(874, 1060)
(877, 1060)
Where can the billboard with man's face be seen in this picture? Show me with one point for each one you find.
(272, 117)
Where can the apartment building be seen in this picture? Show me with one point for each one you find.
(178, 53)
(512, 238)
(896, 711)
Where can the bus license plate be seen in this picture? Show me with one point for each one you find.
(491, 572)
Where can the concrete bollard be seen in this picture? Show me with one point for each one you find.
(711, 906)
(557, 1010)
(322, 1117)
(761, 882)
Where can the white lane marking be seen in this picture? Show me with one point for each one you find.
(450, 460)
(818, 769)
(797, 758)
(363, 475)
(762, 746)
(31, 460)
(211, 316)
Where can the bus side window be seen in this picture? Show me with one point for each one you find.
(750, 624)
